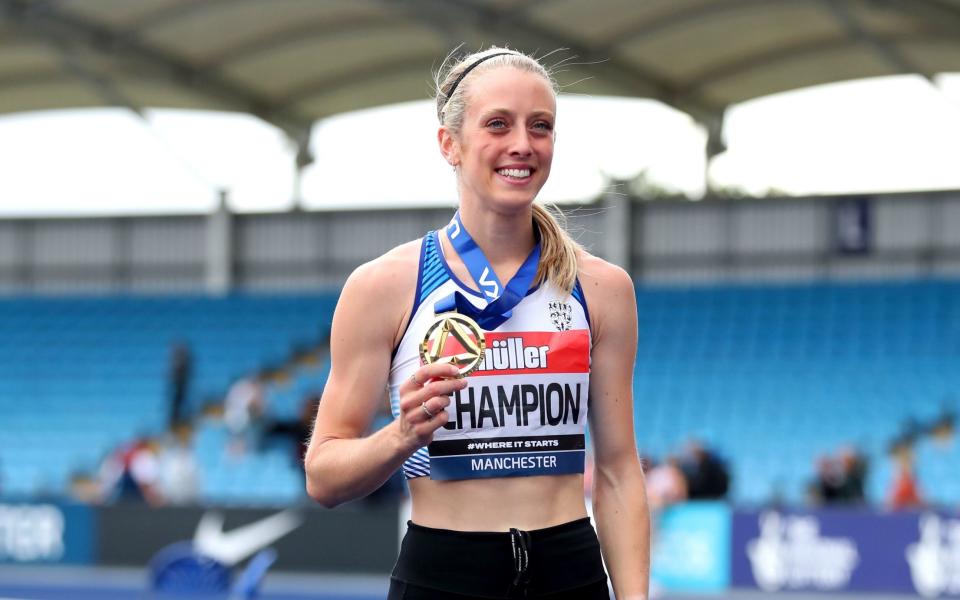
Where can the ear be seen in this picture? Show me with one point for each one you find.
(449, 147)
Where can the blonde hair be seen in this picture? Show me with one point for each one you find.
(558, 251)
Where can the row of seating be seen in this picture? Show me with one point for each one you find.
(774, 376)
(80, 376)
(771, 376)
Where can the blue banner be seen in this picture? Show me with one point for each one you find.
(691, 548)
(506, 465)
(847, 550)
(34, 533)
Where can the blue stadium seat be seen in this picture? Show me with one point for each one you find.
(771, 375)
(78, 376)
(794, 371)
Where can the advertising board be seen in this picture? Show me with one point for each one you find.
(691, 548)
(847, 550)
(39, 533)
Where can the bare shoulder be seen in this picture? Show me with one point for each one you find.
(600, 278)
(380, 292)
(391, 272)
(609, 293)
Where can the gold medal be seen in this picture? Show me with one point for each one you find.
(464, 350)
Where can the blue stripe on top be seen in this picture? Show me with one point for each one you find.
(579, 297)
(432, 273)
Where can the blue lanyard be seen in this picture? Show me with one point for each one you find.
(500, 299)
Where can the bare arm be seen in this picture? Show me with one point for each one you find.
(619, 494)
(341, 464)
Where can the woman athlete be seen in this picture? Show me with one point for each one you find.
(499, 338)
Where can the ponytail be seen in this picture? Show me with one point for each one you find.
(558, 251)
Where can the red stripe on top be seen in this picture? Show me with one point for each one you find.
(566, 352)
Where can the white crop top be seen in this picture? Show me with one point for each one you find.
(524, 411)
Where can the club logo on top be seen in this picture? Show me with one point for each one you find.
(561, 314)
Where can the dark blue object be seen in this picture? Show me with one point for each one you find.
(501, 300)
(180, 569)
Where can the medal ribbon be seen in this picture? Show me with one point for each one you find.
(501, 300)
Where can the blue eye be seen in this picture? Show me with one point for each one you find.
(497, 124)
(543, 126)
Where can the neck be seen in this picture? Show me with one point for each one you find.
(504, 238)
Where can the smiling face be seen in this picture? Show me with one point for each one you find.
(504, 149)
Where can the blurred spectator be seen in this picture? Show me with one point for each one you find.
(853, 465)
(84, 488)
(181, 367)
(179, 478)
(131, 473)
(828, 483)
(666, 484)
(911, 430)
(905, 491)
(707, 475)
(943, 428)
(296, 431)
(243, 409)
(840, 479)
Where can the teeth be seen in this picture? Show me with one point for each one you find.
(518, 173)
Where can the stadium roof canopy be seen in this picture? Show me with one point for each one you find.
(291, 62)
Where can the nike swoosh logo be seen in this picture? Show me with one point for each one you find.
(232, 547)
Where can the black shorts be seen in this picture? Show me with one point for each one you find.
(557, 563)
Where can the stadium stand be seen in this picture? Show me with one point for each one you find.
(774, 376)
(100, 365)
(802, 368)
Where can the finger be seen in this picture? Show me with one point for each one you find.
(438, 420)
(438, 390)
(428, 414)
(434, 405)
(427, 425)
(411, 383)
(437, 387)
(424, 431)
(427, 372)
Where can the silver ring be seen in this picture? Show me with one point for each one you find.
(426, 410)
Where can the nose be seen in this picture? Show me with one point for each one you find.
(520, 143)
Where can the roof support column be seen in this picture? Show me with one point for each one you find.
(303, 160)
(219, 259)
(715, 145)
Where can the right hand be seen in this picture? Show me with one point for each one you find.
(430, 387)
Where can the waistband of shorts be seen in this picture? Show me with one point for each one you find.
(546, 532)
(483, 563)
